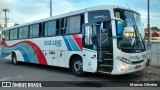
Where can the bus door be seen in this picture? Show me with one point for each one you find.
(96, 37)
(89, 37)
(89, 48)
(104, 47)
(103, 42)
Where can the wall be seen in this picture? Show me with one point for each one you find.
(153, 53)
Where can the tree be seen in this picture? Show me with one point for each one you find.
(155, 28)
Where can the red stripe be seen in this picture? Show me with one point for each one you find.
(37, 50)
(78, 40)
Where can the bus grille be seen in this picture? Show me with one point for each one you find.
(136, 62)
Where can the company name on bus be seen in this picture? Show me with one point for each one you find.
(53, 42)
(100, 16)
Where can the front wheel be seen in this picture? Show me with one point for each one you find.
(77, 66)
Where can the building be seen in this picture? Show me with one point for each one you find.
(155, 35)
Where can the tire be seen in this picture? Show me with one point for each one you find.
(14, 59)
(77, 66)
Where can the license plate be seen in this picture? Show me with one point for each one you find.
(138, 67)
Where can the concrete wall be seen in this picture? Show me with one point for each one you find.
(153, 53)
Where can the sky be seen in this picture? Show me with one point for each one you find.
(23, 11)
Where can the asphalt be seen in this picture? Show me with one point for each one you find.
(34, 72)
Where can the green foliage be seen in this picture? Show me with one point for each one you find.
(155, 28)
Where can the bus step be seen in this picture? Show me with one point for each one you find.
(105, 65)
(104, 72)
(108, 53)
(108, 59)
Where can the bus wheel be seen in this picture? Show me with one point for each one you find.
(77, 66)
(14, 59)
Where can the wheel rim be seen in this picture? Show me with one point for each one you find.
(78, 66)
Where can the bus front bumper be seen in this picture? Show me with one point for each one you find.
(123, 68)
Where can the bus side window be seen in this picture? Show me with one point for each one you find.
(5, 35)
(57, 27)
(20, 33)
(88, 35)
(50, 28)
(23, 32)
(11, 34)
(15, 35)
(73, 24)
(34, 30)
(64, 24)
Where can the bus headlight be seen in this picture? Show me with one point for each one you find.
(125, 60)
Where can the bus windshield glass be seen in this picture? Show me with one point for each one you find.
(131, 40)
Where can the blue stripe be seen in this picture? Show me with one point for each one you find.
(73, 43)
(9, 51)
(67, 43)
(26, 51)
(25, 56)
(30, 53)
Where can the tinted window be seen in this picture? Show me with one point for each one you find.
(23, 32)
(88, 35)
(13, 34)
(34, 30)
(50, 28)
(58, 27)
(73, 24)
(5, 35)
(20, 32)
(63, 25)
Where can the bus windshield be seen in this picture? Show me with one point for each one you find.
(131, 40)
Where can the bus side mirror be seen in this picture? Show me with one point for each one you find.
(120, 28)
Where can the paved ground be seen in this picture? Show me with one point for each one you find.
(32, 72)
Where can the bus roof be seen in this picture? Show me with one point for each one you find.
(107, 7)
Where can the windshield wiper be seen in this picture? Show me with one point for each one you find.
(137, 38)
(142, 46)
(143, 43)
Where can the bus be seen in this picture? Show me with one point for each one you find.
(102, 39)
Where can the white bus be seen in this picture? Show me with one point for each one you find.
(103, 39)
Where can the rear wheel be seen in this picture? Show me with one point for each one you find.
(14, 59)
(77, 66)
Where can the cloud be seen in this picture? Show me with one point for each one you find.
(7, 1)
(22, 11)
(31, 10)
